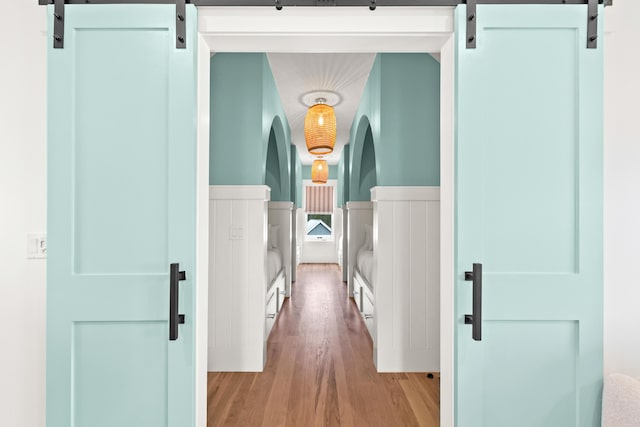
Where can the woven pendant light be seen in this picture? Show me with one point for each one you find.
(319, 172)
(320, 128)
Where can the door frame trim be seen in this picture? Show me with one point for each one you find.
(350, 30)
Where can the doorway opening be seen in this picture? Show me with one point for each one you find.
(427, 30)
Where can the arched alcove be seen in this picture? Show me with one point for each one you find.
(368, 176)
(276, 174)
(364, 167)
(272, 173)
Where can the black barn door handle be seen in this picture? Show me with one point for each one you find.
(475, 319)
(175, 276)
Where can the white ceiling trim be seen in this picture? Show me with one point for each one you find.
(325, 29)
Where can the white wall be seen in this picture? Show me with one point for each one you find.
(22, 203)
(318, 251)
(622, 188)
(22, 210)
(324, 252)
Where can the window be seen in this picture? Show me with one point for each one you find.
(319, 210)
(319, 226)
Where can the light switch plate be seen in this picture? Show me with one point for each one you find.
(36, 245)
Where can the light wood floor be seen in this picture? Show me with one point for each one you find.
(320, 371)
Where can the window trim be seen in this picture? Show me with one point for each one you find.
(330, 183)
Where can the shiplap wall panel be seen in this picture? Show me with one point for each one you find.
(240, 333)
(418, 280)
(237, 277)
(407, 278)
(383, 280)
(218, 295)
(294, 245)
(344, 262)
(256, 262)
(433, 290)
(400, 284)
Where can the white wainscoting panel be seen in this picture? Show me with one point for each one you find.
(294, 244)
(344, 262)
(406, 236)
(359, 214)
(280, 213)
(237, 277)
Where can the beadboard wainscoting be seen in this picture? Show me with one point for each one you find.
(344, 261)
(237, 277)
(406, 239)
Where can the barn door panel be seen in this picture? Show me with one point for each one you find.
(121, 210)
(528, 209)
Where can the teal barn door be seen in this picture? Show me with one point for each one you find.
(528, 195)
(121, 208)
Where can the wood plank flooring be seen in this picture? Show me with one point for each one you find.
(320, 370)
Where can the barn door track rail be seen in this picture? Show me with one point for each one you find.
(181, 17)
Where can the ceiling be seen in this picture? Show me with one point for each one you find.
(299, 73)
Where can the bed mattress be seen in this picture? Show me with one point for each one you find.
(364, 264)
(274, 264)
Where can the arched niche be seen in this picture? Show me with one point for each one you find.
(276, 174)
(364, 167)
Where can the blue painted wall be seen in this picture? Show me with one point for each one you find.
(273, 116)
(401, 105)
(409, 146)
(236, 119)
(245, 111)
(368, 114)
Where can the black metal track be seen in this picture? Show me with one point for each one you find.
(58, 35)
(292, 3)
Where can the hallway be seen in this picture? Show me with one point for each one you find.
(320, 371)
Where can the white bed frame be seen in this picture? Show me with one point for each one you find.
(359, 214)
(274, 299)
(364, 296)
(281, 213)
